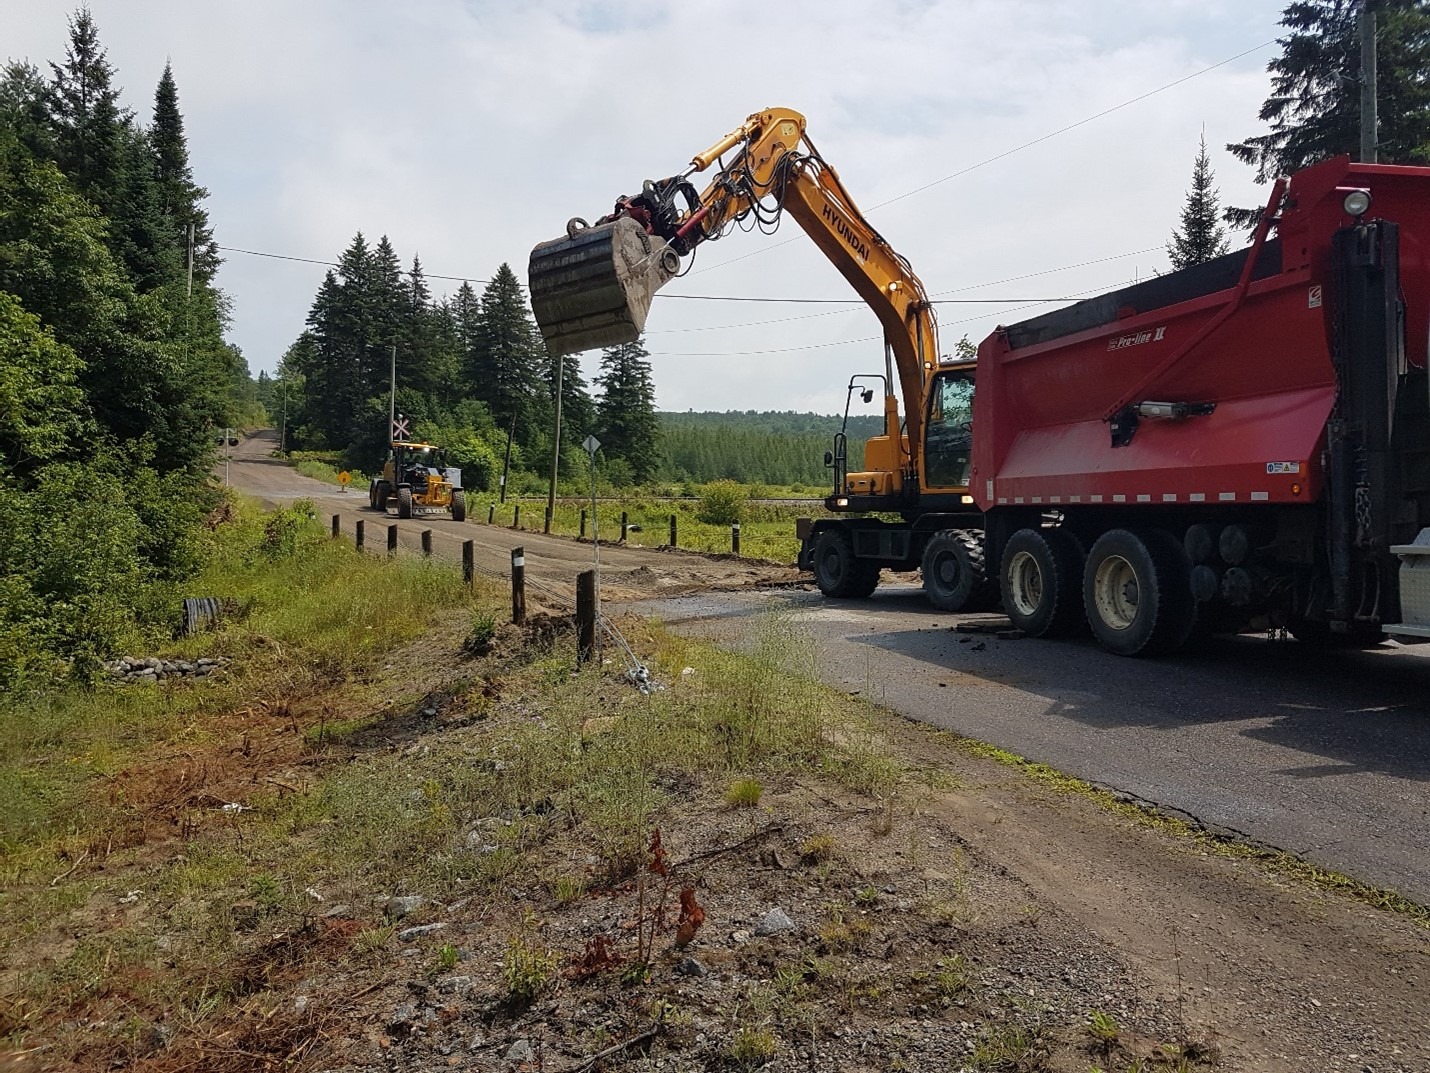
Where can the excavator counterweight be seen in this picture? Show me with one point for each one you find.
(593, 287)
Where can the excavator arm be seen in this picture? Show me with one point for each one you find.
(594, 287)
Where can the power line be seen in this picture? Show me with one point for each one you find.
(868, 338)
(857, 304)
(1015, 149)
(334, 264)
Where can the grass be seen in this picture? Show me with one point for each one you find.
(302, 609)
(744, 793)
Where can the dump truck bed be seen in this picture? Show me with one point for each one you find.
(1264, 375)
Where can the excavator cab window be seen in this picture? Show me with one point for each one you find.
(948, 432)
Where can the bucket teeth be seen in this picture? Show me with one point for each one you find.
(593, 287)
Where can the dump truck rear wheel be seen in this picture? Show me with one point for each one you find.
(1137, 592)
(1041, 582)
(955, 575)
(459, 506)
(404, 502)
(836, 570)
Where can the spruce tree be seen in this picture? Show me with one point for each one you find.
(1200, 237)
(180, 198)
(506, 368)
(625, 413)
(1314, 107)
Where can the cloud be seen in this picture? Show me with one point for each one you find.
(469, 131)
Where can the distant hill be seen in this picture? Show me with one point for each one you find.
(765, 446)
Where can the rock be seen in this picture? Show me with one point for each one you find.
(449, 984)
(300, 1003)
(408, 934)
(691, 967)
(740, 937)
(775, 922)
(403, 904)
(402, 1018)
(520, 1052)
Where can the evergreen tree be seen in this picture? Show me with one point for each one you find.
(1314, 106)
(180, 198)
(24, 109)
(625, 413)
(1200, 236)
(506, 367)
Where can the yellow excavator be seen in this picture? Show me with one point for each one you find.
(594, 287)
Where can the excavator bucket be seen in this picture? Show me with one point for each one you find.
(593, 287)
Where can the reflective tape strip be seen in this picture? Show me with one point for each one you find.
(1198, 497)
(1002, 501)
(1097, 499)
(1119, 499)
(1055, 499)
(1037, 499)
(1017, 499)
(1074, 499)
(518, 560)
(1144, 498)
(1227, 497)
(1169, 497)
(1260, 497)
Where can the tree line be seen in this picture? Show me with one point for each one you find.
(114, 372)
(472, 375)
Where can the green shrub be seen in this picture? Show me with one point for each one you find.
(723, 503)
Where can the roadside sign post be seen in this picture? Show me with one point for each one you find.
(344, 479)
(593, 445)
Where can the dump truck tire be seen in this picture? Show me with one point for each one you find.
(404, 502)
(459, 506)
(836, 570)
(954, 573)
(1040, 577)
(1137, 592)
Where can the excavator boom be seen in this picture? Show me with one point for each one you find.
(594, 286)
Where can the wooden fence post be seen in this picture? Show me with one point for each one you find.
(585, 616)
(392, 540)
(469, 561)
(427, 543)
(623, 527)
(547, 527)
(673, 531)
(735, 538)
(516, 517)
(518, 586)
(583, 523)
(337, 526)
(357, 534)
(491, 513)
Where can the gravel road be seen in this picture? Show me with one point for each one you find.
(627, 571)
(1325, 756)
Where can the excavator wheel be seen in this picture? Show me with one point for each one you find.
(955, 577)
(404, 502)
(459, 505)
(836, 570)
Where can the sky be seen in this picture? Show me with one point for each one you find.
(469, 130)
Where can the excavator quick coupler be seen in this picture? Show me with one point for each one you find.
(593, 287)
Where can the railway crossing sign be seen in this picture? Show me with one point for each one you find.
(400, 428)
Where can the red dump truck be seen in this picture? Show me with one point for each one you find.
(1242, 443)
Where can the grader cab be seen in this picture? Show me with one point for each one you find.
(415, 481)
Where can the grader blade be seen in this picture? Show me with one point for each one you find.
(593, 287)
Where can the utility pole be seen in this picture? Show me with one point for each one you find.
(506, 462)
(392, 400)
(283, 424)
(1368, 120)
(555, 447)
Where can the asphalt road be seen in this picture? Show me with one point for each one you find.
(1327, 756)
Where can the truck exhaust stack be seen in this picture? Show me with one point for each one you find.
(593, 287)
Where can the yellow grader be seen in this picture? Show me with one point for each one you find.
(415, 482)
